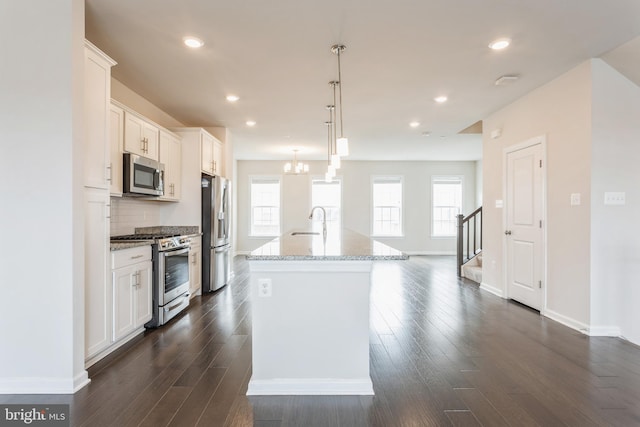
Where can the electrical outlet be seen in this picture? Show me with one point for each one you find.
(264, 288)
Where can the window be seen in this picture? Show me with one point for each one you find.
(446, 195)
(328, 195)
(387, 206)
(265, 207)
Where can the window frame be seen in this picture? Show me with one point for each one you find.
(252, 180)
(438, 179)
(380, 179)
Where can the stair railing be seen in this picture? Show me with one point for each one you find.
(469, 230)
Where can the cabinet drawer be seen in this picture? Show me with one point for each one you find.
(125, 257)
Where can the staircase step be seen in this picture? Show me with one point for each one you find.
(472, 272)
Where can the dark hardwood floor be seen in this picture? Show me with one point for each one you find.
(442, 353)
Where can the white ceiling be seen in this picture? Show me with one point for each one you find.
(400, 54)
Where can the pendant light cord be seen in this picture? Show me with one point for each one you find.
(340, 83)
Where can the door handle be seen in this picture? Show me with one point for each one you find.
(508, 232)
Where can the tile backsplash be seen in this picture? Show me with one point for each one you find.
(129, 213)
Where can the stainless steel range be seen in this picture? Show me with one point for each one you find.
(170, 257)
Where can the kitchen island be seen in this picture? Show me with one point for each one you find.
(310, 313)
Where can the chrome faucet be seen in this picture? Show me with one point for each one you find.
(324, 219)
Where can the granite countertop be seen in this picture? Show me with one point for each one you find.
(117, 246)
(345, 245)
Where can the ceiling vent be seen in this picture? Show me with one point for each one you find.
(506, 80)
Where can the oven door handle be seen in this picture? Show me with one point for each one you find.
(178, 252)
(178, 303)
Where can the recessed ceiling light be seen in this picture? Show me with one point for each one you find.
(499, 44)
(414, 124)
(250, 123)
(232, 98)
(426, 133)
(193, 42)
(440, 99)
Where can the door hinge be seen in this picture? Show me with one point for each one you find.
(540, 284)
(540, 163)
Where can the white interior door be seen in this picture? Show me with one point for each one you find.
(524, 236)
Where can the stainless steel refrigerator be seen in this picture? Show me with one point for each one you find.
(216, 242)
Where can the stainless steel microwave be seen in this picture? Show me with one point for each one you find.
(142, 176)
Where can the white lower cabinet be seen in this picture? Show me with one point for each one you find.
(131, 290)
(97, 291)
(126, 303)
(195, 267)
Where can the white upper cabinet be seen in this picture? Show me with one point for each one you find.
(211, 154)
(140, 136)
(116, 135)
(97, 94)
(171, 156)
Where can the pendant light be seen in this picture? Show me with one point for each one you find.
(335, 157)
(331, 170)
(342, 143)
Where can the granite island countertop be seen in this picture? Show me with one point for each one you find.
(345, 245)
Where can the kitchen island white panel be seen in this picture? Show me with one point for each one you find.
(310, 327)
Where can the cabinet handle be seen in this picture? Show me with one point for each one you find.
(136, 257)
(146, 145)
(108, 209)
(109, 172)
(142, 144)
(215, 166)
(193, 261)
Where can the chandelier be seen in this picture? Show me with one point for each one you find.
(296, 167)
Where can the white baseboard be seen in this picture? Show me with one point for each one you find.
(310, 386)
(34, 385)
(604, 331)
(492, 289)
(81, 380)
(566, 321)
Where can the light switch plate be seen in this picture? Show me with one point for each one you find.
(499, 203)
(615, 198)
(575, 199)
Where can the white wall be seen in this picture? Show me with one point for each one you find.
(356, 199)
(41, 104)
(615, 254)
(590, 118)
(561, 110)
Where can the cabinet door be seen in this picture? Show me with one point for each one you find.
(151, 135)
(206, 147)
(195, 270)
(116, 136)
(171, 156)
(97, 292)
(124, 280)
(134, 135)
(217, 158)
(142, 294)
(97, 88)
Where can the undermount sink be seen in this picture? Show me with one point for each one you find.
(305, 233)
